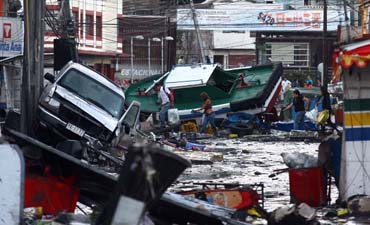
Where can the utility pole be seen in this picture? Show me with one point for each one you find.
(353, 16)
(66, 20)
(324, 45)
(197, 31)
(67, 26)
(347, 21)
(33, 61)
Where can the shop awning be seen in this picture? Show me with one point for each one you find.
(355, 54)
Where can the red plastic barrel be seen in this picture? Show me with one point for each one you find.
(308, 185)
(51, 193)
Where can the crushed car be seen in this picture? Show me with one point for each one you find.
(81, 104)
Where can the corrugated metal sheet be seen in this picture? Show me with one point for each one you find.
(186, 76)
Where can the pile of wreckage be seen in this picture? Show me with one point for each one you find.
(87, 150)
(83, 151)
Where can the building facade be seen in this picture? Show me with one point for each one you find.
(242, 33)
(148, 38)
(96, 31)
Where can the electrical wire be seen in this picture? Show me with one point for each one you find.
(106, 23)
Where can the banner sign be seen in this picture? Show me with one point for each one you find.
(11, 36)
(259, 20)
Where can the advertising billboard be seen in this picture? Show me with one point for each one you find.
(11, 36)
(258, 20)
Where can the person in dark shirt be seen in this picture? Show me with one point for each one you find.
(209, 114)
(300, 108)
(326, 105)
(325, 99)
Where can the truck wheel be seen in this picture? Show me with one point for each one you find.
(241, 129)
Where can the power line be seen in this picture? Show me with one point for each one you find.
(106, 23)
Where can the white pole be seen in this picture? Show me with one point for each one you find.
(197, 31)
(162, 55)
(132, 59)
(149, 57)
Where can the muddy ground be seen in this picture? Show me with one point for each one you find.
(246, 162)
(250, 162)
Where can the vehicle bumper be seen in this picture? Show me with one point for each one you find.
(47, 119)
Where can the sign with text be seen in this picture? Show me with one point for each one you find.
(11, 37)
(259, 20)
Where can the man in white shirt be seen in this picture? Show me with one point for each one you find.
(180, 60)
(285, 85)
(165, 102)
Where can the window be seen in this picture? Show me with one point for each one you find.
(81, 25)
(76, 21)
(120, 27)
(290, 54)
(89, 25)
(301, 54)
(93, 91)
(99, 27)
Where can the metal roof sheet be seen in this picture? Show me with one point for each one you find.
(186, 76)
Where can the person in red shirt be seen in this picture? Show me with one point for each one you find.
(209, 114)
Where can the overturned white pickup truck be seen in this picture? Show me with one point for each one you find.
(81, 103)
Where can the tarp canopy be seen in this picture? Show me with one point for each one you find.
(186, 76)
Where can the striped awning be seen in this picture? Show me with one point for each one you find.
(357, 54)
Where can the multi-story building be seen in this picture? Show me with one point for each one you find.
(147, 37)
(96, 29)
(242, 33)
(148, 7)
(364, 11)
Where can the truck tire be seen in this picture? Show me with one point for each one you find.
(241, 129)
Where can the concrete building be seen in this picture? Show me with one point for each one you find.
(148, 35)
(241, 33)
(96, 27)
(225, 32)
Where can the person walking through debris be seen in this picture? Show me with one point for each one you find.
(165, 101)
(209, 114)
(299, 107)
(326, 105)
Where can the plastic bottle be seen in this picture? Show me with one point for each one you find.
(33, 211)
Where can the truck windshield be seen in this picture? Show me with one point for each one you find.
(93, 92)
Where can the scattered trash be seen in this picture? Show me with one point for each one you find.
(301, 135)
(230, 195)
(173, 117)
(194, 146)
(296, 160)
(312, 114)
(70, 218)
(33, 212)
(342, 212)
(359, 205)
(217, 158)
(293, 215)
(189, 127)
